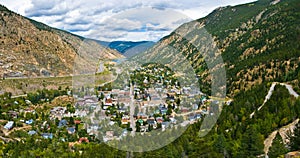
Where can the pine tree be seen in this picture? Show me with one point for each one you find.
(220, 144)
(252, 143)
(295, 139)
(278, 148)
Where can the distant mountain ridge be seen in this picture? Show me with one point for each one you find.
(128, 48)
(30, 48)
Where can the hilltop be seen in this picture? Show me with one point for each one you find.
(33, 49)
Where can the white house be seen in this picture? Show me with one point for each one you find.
(9, 125)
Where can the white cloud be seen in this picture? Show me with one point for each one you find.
(116, 19)
(17, 6)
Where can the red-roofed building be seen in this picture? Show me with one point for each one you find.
(77, 121)
(83, 139)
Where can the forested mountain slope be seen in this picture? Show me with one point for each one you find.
(258, 42)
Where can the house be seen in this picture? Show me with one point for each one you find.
(228, 102)
(173, 120)
(105, 107)
(32, 132)
(165, 125)
(178, 92)
(80, 113)
(62, 139)
(77, 121)
(136, 89)
(158, 89)
(92, 129)
(29, 122)
(142, 116)
(141, 122)
(29, 110)
(171, 94)
(83, 139)
(71, 144)
(62, 123)
(184, 110)
(87, 97)
(71, 130)
(9, 125)
(143, 128)
(58, 111)
(108, 102)
(125, 120)
(152, 123)
(113, 116)
(79, 103)
(195, 107)
(111, 123)
(122, 110)
(159, 120)
(171, 98)
(13, 114)
(197, 116)
(145, 81)
(115, 91)
(91, 100)
(163, 110)
(28, 102)
(192, 118)
(47, 135)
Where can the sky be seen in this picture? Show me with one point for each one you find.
(112, 20)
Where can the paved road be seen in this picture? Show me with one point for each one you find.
(188, 113)
(18, 96)
(6, 132)
(290, 89)
(271, 90)
(132, 122)
(6, 139)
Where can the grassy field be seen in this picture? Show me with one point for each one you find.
(19, 86)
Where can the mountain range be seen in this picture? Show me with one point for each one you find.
(128, 48)
(256, 43)
(30, 48)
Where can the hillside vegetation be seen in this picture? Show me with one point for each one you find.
(258, 42)
(29, 48)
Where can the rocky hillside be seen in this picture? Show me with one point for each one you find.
(258, 42)
(29, 48)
